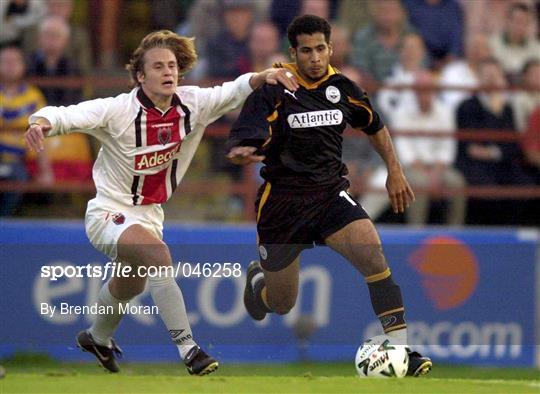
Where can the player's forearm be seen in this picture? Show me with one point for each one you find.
(258, 79)
(45, 172)
(382, 143)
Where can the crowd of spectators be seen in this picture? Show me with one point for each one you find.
(456, 46)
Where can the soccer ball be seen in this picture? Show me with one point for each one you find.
(378, 357)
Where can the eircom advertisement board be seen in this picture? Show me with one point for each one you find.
(470, 295)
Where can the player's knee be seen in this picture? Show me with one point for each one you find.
(138, 247)
(283, 306)
(157, 255)
(161, 252)
(374, 261)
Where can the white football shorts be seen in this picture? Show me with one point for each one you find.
(106, 220)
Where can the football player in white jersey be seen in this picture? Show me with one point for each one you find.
(148, 137)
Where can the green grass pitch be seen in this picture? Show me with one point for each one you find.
(34, 376)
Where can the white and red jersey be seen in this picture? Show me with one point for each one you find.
(145, 152)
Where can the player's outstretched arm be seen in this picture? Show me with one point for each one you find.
(241, 155)
(35, 134)
(399, 191)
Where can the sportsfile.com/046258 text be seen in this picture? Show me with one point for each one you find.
(120, 270)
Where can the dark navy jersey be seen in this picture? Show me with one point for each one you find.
(301, 133)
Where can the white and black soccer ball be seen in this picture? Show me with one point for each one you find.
(379, 357)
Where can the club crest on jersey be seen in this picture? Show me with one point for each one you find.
(333, 94)
(118, 218)
(164, 135)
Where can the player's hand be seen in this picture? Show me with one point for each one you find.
(399, 191)
(282, 76)
(34, 136)
(241, 155)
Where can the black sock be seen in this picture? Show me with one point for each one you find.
(386, 300)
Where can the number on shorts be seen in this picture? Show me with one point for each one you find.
(345, 195)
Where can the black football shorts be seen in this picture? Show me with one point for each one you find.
(291, 220)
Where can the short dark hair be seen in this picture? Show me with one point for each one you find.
(307, 24)
(518, 7)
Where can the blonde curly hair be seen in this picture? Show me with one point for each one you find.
(182, 47)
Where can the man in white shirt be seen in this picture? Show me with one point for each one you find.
(148, 137)
(515, 44)
(464, 73)
(428, 161)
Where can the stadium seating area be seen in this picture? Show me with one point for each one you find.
(75, 49)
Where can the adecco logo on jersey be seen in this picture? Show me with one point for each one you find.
(154, 159)
(449, 271)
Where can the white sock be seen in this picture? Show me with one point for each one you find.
(399, 336)
(168, 298)
(105, 324)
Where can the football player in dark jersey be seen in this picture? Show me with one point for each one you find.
(298, 136)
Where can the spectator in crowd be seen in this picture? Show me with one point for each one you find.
(70, 156)
(341, 51)
(376, 47)
(51, 60)
(353, 14)
(16, 17)
(441, 25)
(489, 162)
(527, 100)
(514, 45)
(531, 143)
(18, 101)
(282, 12)
(79, 46)
(488, 16)
(428, 161)
(204, 21)
(167, 14)
(464, 73)
(263, 46)
(229, 55)
(321, 8)
(412, 59)
(228, 52)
